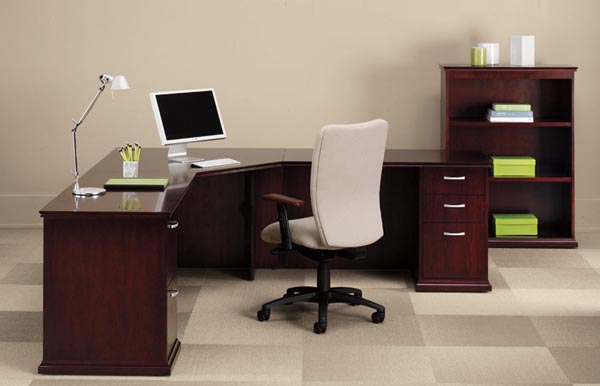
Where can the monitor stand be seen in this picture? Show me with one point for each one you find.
(178, 153)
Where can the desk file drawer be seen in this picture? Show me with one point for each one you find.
(454, 181)
(453, 251)
(453, 208)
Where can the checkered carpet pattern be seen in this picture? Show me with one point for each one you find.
(539, 326)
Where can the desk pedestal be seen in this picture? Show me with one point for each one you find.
(108, 305)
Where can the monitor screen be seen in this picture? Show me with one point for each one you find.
(187, 116)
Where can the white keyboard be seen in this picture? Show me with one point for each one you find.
(211, 163)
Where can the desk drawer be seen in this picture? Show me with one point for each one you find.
(453, 251)
(457, 180)
(453, 208)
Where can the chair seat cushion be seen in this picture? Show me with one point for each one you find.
(304, 232)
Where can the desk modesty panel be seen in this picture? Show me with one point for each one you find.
(121, 250)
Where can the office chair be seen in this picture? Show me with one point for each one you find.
(344, 190)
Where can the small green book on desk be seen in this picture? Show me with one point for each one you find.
(136, 184)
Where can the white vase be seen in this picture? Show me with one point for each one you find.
(522, 50)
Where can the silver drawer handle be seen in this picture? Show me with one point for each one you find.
(173, 292)
(172, 224)
(454, 233)
(455, 205)
(460, 178)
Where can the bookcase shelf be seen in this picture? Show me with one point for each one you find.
(553, 241)
(468, 92)
(549, 237)
(483, 122)
(536, 179)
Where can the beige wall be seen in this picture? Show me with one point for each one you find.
(281, 69)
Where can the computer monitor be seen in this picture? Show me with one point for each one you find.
(185, 116)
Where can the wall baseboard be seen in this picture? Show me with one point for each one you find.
(21, 226)
(587, 214)
(22, 211)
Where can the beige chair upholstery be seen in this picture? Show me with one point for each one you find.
(304, 232)
(344, 189)
(344, 194)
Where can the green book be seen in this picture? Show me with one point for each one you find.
(511, 107)
(136, 183)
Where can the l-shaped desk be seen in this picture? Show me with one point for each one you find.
(110, 262)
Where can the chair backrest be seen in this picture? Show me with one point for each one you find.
(345, 179)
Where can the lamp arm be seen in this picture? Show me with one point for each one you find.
(87, 109)
(77, 124)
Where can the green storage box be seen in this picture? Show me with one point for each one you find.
(513, 166)
(510, 225)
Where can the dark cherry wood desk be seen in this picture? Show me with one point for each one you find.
(110, 262)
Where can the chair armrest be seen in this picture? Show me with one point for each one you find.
(281, 199)
(282, 217)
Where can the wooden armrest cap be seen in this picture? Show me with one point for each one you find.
(280, 198)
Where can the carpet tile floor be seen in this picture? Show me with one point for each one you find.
(539, 326)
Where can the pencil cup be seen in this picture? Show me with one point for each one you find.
(130, 169)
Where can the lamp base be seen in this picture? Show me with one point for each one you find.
(89, 192)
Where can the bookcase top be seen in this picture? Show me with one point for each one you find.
(508, 67)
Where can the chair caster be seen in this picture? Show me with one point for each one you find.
(263, 315)
(320, 327)
(378, 317)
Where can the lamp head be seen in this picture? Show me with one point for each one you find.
(118, 82)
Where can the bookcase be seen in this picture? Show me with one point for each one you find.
(467, 93)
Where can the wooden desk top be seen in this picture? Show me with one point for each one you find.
(404, 157)
(154, 163)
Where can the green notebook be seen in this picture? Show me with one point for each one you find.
(511, 106)
(136, 183)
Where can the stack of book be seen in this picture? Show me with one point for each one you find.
(510, 112)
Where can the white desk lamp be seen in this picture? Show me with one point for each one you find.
(118, 82)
